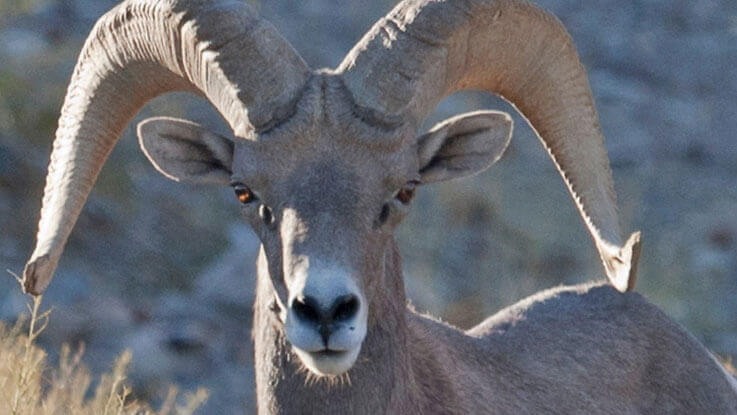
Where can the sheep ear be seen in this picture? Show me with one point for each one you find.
(463, 145)
(185, 151)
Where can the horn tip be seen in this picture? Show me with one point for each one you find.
(37, 275)
(622, 269)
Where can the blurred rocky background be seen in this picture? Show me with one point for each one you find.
(167, 269)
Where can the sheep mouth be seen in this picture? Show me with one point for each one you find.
(329, 353)
(328, 362)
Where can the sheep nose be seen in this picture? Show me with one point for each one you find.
(343, 308)
(308, 310)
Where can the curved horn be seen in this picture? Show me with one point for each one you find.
(423, 51)
(142, 49)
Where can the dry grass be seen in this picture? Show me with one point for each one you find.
(29, 387)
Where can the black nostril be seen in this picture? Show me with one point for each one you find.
(306, 309)
(345, 308)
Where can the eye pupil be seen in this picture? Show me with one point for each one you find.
(405, 194)
(244, 194)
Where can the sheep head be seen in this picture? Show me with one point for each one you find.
(325, 163)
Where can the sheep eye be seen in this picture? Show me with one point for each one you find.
(243, 193)
(405, 194)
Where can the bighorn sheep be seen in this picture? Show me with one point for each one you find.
(325, 163)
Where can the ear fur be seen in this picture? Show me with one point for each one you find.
(185, 151)
(463, 145)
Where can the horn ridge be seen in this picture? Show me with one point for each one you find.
(135, 52)
(425, 50)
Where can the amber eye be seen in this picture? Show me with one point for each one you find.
(405, 194)
(243, 193)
